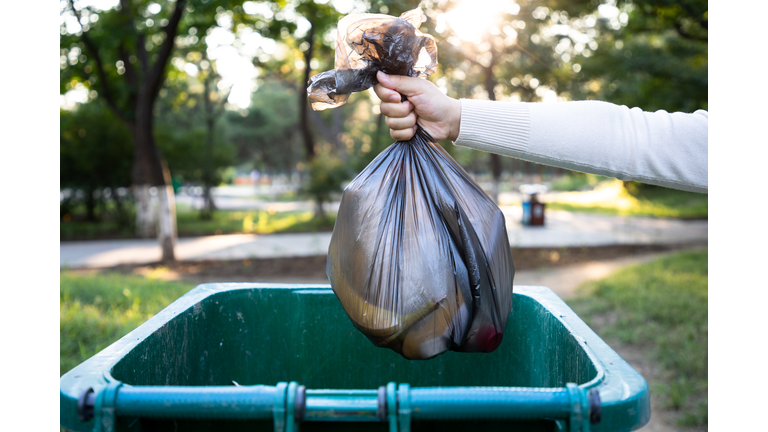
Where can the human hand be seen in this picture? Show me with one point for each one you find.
(437, 113)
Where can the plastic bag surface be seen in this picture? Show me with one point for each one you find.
(366, 44)
(419, 256)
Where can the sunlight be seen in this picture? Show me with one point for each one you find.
(470, 19)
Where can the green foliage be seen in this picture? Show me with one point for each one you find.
(322, 17)
(576, 181)
(95, 149)
(661, 308)
(95, 153)
(267, 133)
(98, 309)
(191, 156)
(658, 61)
(326, 174)
(127, 40)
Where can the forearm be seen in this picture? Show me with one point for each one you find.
(666, 149)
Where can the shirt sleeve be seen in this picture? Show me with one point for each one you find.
(660, 148)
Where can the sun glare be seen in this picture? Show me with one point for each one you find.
(470, 19)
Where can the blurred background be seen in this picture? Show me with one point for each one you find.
(188, 154)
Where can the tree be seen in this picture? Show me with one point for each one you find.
(300, 23)
(267, 133)
(326, 173)
(86, 164)
(122, 54)
(190, 113)
(656, 60)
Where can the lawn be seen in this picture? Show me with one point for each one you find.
(189, 223)
(251, 221)
(610, 197)
(98, 309)
(661, 308)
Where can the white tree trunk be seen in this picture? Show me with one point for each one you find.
(146, 212)
(167, 221)
(495, 191)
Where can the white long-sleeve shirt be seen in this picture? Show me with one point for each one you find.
(660, 148)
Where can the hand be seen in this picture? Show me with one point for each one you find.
(437, 113)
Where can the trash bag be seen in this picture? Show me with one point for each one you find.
(366, 44)
(419, 255)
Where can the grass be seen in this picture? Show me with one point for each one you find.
(610, 197)
(576, 182)
(251, 221)
(188, 224)
(98, 309)
(660, 307)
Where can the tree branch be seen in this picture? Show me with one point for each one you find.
(130, 72)
(94, 51)
(156, 74)
(687, 35)
(693, 15)
(141, 50)
(141, 53)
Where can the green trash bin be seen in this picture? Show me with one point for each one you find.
(286, 357)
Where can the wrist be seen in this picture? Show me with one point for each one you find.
(454, 126)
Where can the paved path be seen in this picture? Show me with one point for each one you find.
(563, 229)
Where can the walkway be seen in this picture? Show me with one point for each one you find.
(563, 229)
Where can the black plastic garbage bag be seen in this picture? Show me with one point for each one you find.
(419, 256)
(367, 43)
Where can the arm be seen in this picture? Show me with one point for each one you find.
(589, 136)
(658, 148)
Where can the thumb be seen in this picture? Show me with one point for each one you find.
(405, 85)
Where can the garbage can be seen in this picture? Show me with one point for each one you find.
(533, 209)
(284, 357)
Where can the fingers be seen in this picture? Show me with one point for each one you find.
(407, 122)
(396, 110)
(403, 134)
(385, 94)
(408, 86)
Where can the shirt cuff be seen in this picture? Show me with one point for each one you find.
(494, 126)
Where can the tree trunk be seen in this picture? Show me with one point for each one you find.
(147, 172)
(495, 163)
(496, 170)
(206, 212)
(306, 133)
(319, 212)
(145, 211)
(336, 123)
(90, 205)
(166, 234)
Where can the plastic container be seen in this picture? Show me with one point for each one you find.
(533, 209)
(280, 357)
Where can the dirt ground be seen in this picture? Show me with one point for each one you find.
(312, 269)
